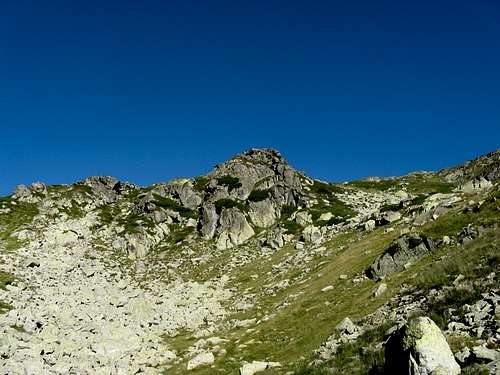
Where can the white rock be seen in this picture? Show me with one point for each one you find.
(202, 359)
(381, 289)
(370, 225)
(257, 366)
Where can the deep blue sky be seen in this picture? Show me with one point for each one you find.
(151, 90)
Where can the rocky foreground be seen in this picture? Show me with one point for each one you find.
(253, 267)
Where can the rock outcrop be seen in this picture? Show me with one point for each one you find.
(401, 253)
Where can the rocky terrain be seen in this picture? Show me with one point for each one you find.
(254, 268)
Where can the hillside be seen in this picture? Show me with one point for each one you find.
(254, 266)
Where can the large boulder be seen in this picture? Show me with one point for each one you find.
(257, 366)
(401, 252)
(234, 229)
(311, 234)
(263, 214)
(208, 221)
(419, 348)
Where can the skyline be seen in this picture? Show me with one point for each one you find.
(153, 91)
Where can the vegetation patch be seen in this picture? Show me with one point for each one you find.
(229, 181)
(287, 211)
(74, 211)
(170, 204)
(335, 206)
(292, 227)
(229, 203)
(375, 184)
(390, 207)
(200, 183)
(21, 214)
(258, 195)
(179, 234)
(418, 200)
(324, 188)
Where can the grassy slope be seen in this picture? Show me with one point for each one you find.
(310, 315)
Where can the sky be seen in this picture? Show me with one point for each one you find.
(150, 90)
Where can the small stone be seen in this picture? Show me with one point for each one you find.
(327, 288)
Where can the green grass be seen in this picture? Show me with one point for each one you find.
(229, 181)
(179, 234)
(20, 216)
(427, 184)
(324, 188)
(170, 204)
(108, 213)
(335, 206)
(381, 185)
(75, 211)
(452, 223)
(5, 279)
(357, 357)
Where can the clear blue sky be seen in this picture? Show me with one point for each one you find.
(151, 90)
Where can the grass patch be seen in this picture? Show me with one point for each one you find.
(179, 234)
(74, 212)
(6, 279)
(335, 206)
(381, 185)
(324, 188)
(20, 215)
(427, 184)
(452, 223)
(108, 213)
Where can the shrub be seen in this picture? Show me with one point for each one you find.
(229, 181)
(418, 200)
(287, 210)
(324, 188)
(168, 203)
(200, 183)
(390, 207)
(292, 227)
(258, 195)
(228, 203)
